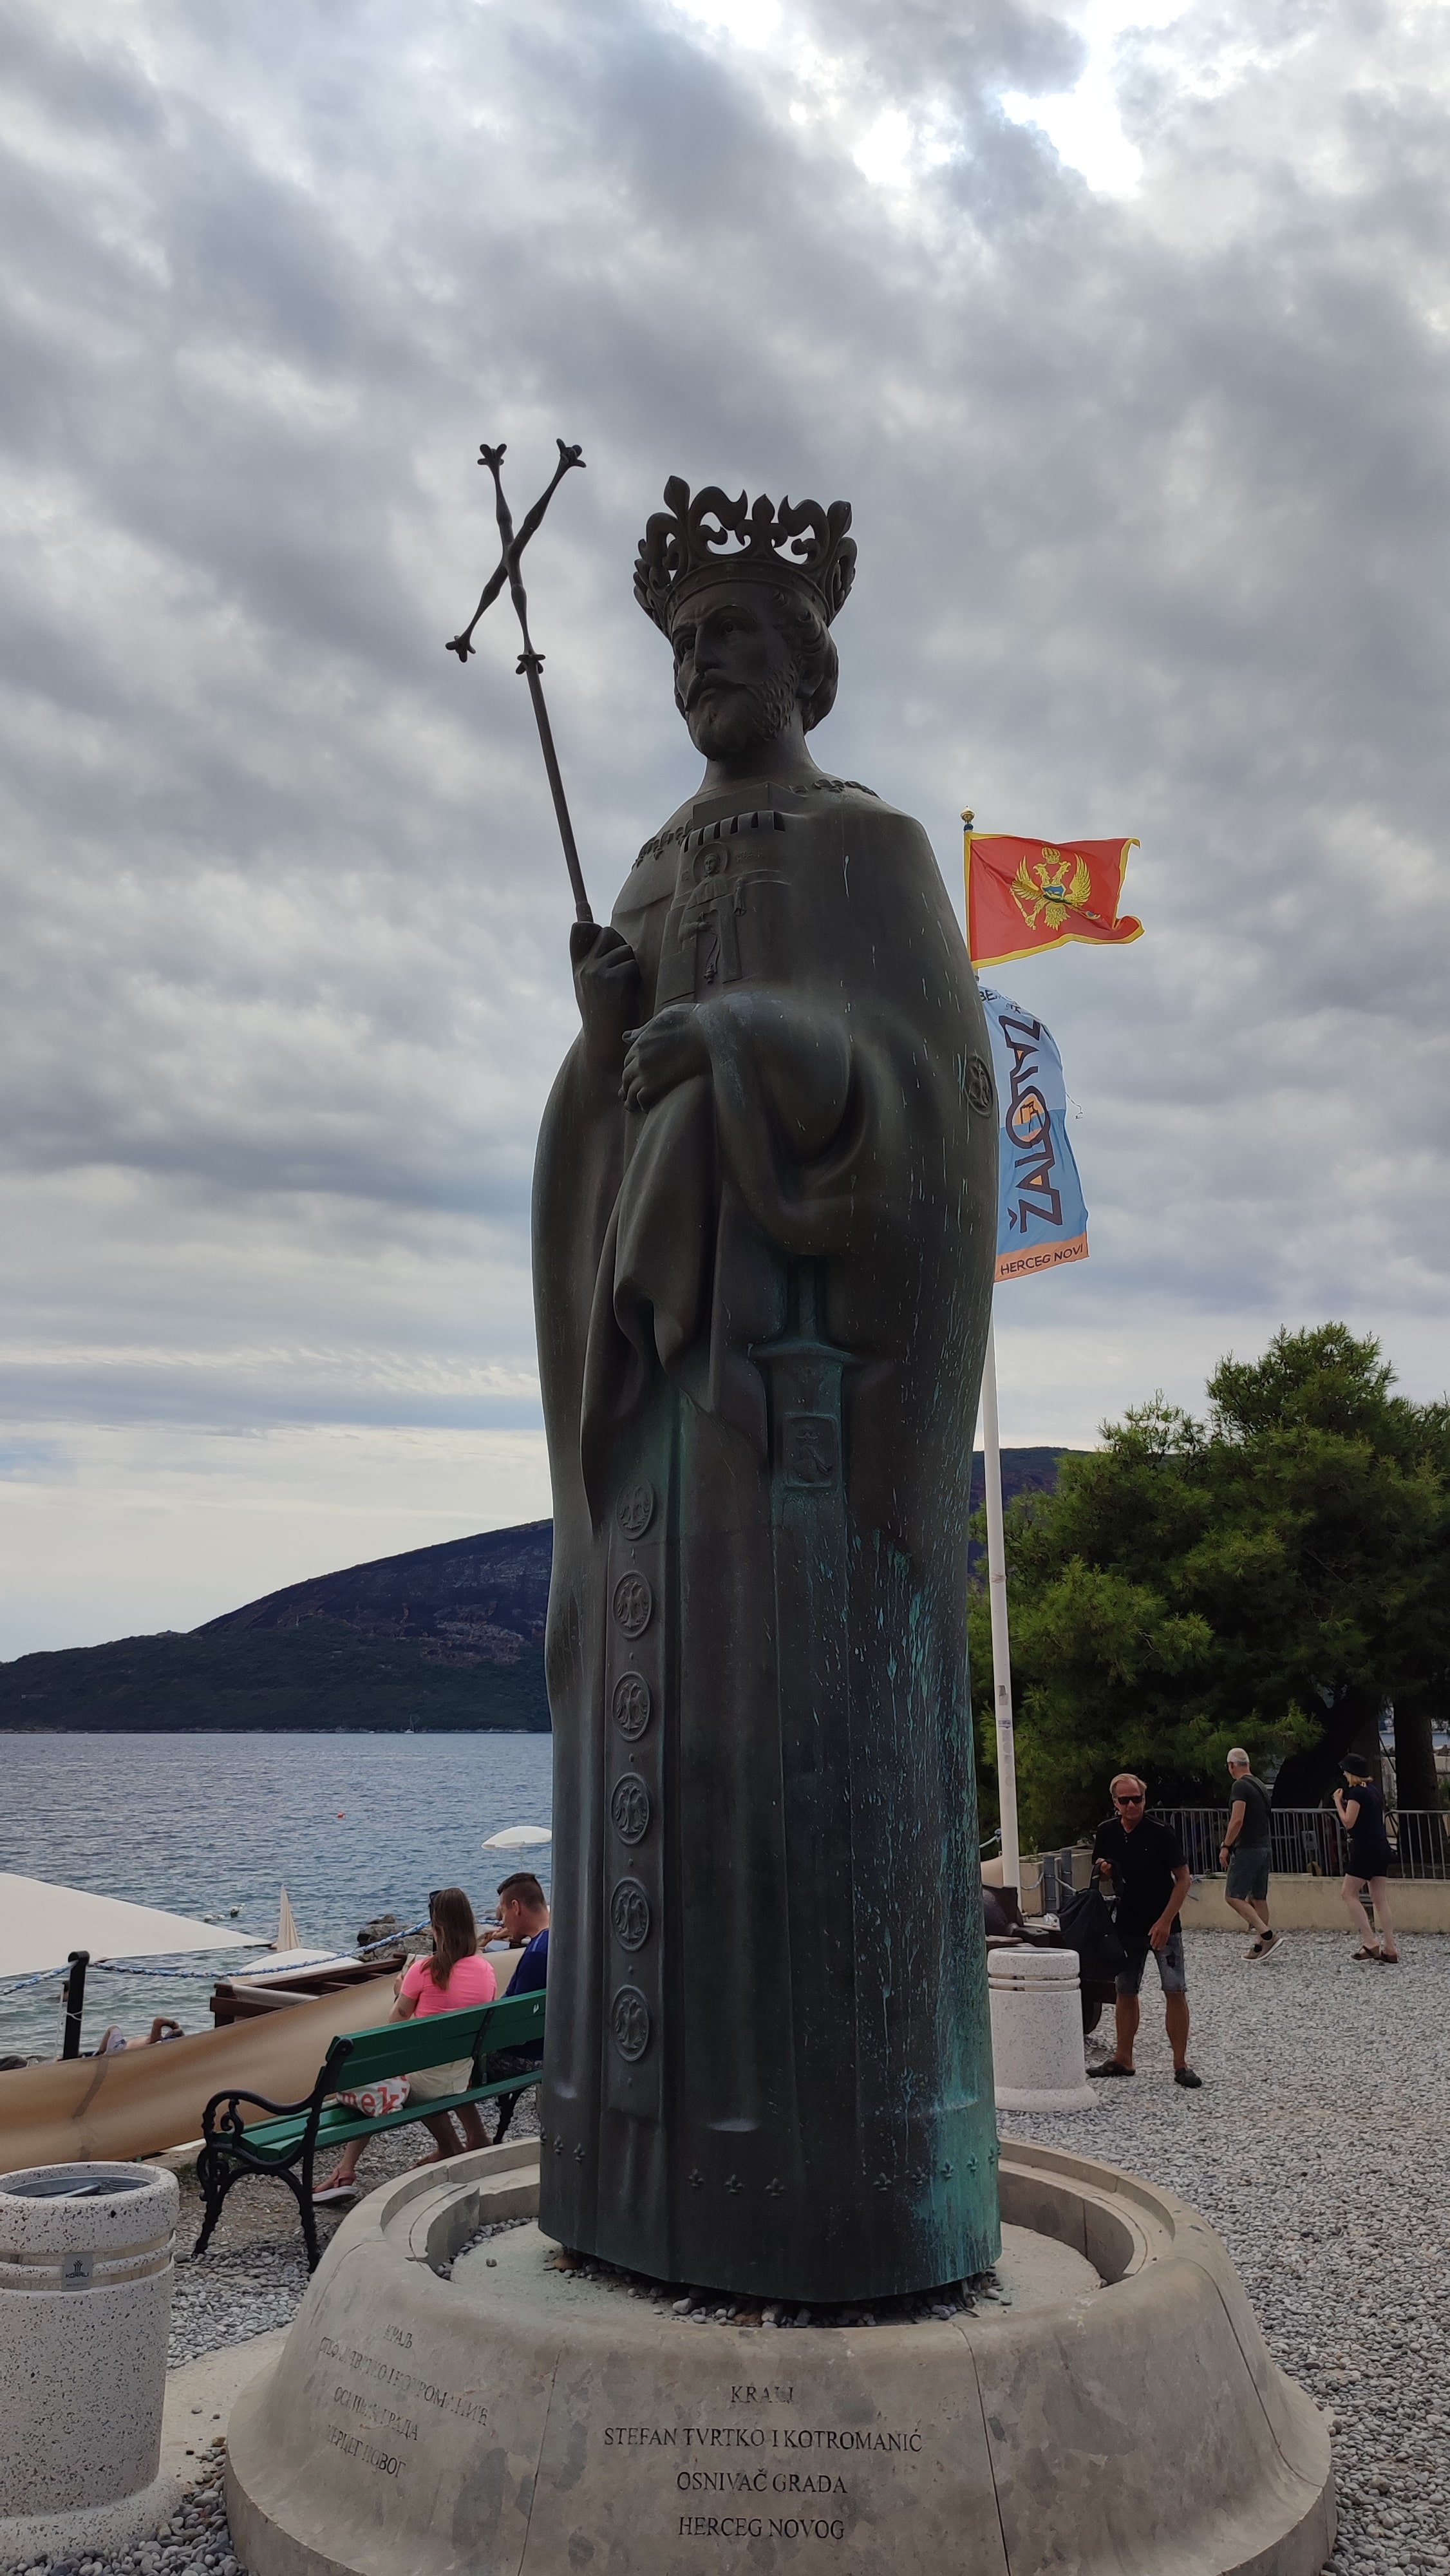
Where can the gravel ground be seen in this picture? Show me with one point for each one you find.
(253, 2273)
(1319, 2148)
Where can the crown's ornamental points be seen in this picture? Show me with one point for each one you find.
(689, 544)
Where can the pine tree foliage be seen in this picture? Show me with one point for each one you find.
(1268, 1575)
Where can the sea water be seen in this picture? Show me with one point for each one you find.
(215, 1826)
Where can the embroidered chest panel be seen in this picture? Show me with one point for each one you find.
(728, 905)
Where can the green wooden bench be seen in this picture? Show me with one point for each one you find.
(284, 2145)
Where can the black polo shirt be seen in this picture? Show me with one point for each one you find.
(1144, 1864)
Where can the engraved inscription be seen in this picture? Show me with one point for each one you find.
(629, 1914)
(629, 1808)
(353, 2447)
(389, 2379)
(636, 1510)
(754, 2526)
(632, 1705)
(810, 1449)
(754, 2474)
(630, 2023)
(846, 2440)
(633, 1604)
(370, 2410)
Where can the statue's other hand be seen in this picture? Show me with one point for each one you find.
(665, 1052)
(606, 985)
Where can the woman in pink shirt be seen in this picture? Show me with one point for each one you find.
(454, 1978)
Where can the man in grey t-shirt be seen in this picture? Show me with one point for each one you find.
(1245, 1854)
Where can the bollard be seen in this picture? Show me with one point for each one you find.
(1037, 2050)
(86, 2265)
(75, 2000)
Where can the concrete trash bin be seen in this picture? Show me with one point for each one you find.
(86, 2266)
(1037, 2050)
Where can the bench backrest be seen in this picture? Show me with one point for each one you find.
(435, 2039)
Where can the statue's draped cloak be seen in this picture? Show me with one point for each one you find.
(762, 1308)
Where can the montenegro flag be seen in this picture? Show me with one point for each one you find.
(1024, 896)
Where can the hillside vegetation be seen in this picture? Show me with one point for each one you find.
(441, 1638)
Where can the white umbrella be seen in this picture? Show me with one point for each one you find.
(40, 1925)
(518, 1838)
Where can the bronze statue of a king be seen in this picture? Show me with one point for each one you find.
(764, 1229)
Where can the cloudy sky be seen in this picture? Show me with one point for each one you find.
(1128, 339)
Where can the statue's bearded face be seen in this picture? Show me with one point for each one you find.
(737, 670)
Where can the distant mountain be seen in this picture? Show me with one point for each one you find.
(440, 1639)
(466, 1602)
(321, 1674)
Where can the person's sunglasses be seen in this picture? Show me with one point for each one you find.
(1135, 1801)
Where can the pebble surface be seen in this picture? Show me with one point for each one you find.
(1319, 2147)
(194, 2542)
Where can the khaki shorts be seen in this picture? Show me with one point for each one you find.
(435, 2083)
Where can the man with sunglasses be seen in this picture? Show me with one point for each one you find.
(1150, 1878)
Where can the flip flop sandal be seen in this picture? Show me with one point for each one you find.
(1111, 2067)
(1366, 1954)
(336, 2191)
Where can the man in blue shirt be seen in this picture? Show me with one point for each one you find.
(523, 1916)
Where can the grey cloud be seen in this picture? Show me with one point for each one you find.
(1151, 498)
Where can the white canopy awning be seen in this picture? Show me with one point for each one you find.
(289, 1963)
(518, 1838)
(40, 1925)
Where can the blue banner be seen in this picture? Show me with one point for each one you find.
(1041, 1218)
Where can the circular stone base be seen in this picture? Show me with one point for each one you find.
(87, 2530)
(442, 2407)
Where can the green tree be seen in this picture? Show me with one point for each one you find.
(1266, 1576)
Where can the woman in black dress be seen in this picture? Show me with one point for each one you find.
(1361, 1811)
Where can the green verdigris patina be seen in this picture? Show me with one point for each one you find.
(764, 1238)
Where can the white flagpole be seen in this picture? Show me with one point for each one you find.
(1001, 1645)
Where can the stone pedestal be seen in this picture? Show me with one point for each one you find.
(86, 2262)
(1037, 2052)
(441, 2408)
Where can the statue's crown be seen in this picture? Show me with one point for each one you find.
(689, 544)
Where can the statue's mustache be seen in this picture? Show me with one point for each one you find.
(709, 681)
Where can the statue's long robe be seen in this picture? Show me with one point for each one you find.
(762, 1308)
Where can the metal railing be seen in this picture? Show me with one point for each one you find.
(1310, 1841)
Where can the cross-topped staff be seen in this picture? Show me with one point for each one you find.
(530, 663)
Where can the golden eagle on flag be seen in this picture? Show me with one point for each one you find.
(1024, 896)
